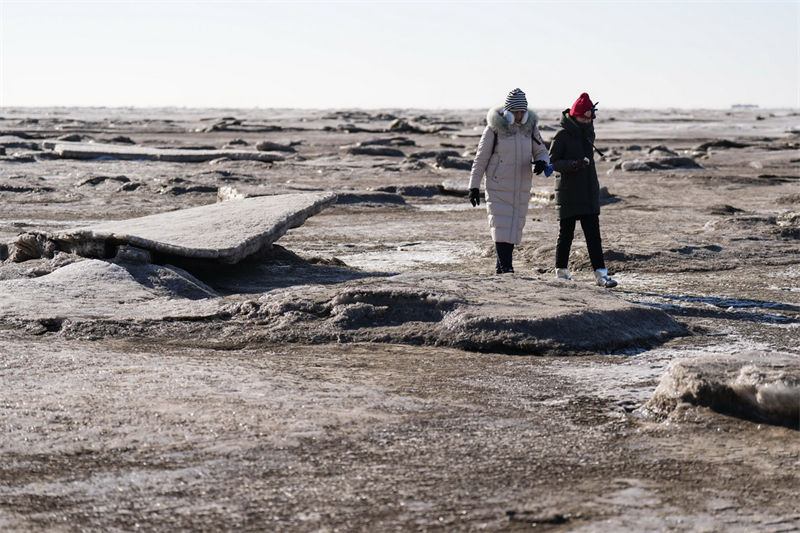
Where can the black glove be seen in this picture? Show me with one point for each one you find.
(538, 167)
(475, 197)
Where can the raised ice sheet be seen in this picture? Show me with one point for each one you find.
(225, 231)
(74, 150)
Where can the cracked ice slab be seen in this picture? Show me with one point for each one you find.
(74, 150)
(100, 290)
(754, 385)
(226, 231)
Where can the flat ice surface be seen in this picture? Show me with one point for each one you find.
(76, 150)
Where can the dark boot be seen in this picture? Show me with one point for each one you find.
(504, 254)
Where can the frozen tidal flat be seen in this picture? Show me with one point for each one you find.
(362, 368)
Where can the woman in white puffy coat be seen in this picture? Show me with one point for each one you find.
(510, 141)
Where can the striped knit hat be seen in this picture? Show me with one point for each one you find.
(516, 101)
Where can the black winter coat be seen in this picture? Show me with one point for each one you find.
(577, 192)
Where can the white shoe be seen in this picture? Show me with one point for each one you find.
(562, 273)
(601, 275)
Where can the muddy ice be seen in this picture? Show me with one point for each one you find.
(360, 367)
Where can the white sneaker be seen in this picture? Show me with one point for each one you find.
(562, 273)
(601, 275)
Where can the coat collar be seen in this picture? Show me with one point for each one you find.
(575, 128)
(496, 121)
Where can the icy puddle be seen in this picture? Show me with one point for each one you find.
(675, 300)
(403, 256)
(536, 202)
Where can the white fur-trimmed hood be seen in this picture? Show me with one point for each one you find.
(496, 121)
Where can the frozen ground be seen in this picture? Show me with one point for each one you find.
(175, 398)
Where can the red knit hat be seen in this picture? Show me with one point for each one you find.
(583, 106)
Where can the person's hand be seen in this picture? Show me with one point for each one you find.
(580, 164)
(538, 167)
(475, 197)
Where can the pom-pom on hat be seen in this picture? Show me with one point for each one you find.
(583, 107)
(516, 101)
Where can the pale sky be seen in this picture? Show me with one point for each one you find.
(454, 54)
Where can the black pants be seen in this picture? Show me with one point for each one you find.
(504, 252)
(591, 231)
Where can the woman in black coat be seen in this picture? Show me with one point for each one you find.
(577, 188)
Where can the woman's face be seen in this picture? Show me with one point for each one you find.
(584, 120)
(518, 116)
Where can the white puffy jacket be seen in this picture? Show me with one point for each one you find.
(508, 171)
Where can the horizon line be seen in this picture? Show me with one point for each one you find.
(732, 107)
